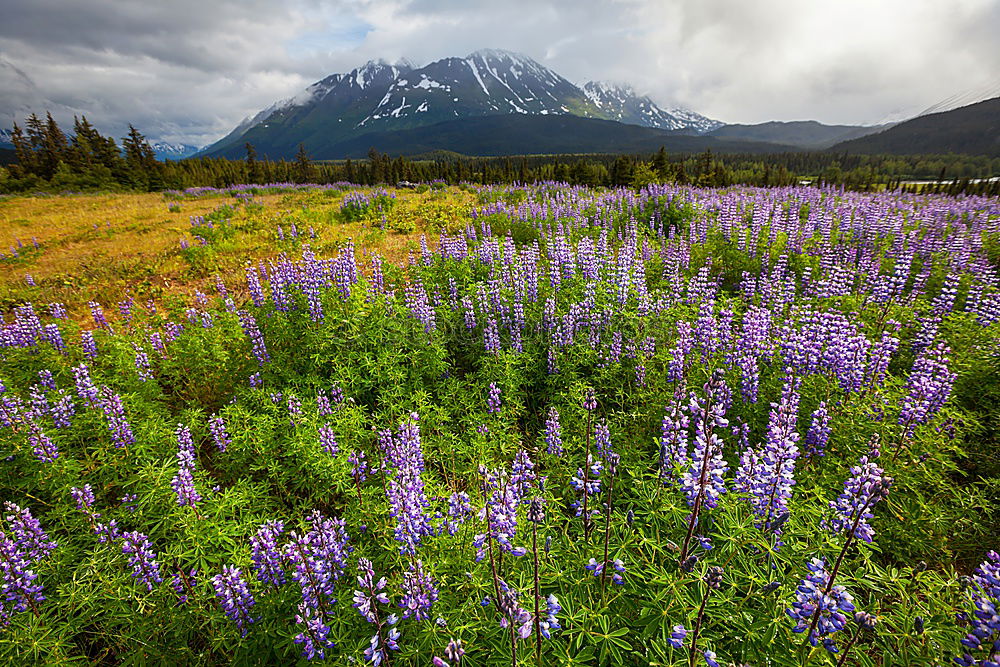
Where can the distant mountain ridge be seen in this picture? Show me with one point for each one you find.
(165, 150)
(973, 129)
(384, 97)
(802, 133)
(522, 134)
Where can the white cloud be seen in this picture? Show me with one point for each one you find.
(189, 71)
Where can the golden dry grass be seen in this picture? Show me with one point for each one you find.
(105, 247)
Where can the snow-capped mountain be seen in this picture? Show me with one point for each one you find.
(623, 105)
(166, 150)
(380, 97)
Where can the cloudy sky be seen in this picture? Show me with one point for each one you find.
(189, 70)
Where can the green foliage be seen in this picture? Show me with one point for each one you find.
(371, 346)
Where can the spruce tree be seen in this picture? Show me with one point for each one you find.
(251, 161)
(303, 165)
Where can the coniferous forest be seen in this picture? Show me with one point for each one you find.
(45, 158)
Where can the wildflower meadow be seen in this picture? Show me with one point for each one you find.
(564, 426)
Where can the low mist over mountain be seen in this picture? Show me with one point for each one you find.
(803, 133)
(622, 104)
(382, 97)
(972, 129)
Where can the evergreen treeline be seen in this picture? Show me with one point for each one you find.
(46, 159)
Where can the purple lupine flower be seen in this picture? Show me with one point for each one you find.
(234, 597)
(499, 512)
(31, 540)
(315, 639)
(265, 554)
(551, 620)
(704, 478)
(39, 401)
(114, 412)
(511, 612)
(256, 380)
(928, 387)
(129, 502)
(770, 485)
(407, 500)
(674, 442)
(85, 388)
(252, 331)
(359, 466)
(62, 410)
(454, 651)
(323, 404)
(677, 636)
(294, 408)
(419, 306)
(984, 622)
(468, 313)
(590, 401)
(98, 314)
(597, 569)
(58, 311)
(459, 509)
(318, 559)
(867, 485)
(309, 571)
(141, 557)
(183, 584)
(493, 400)
(125, 309)
(42, 446)
(522, 476)
(587, 484)
(553, 433)
(710, 658)
(17, 581)
(328, 440)
(183, 481)
(51, 333)
(89, 344)
(84, 498)
(142, 365)
(491, 336)
(819, 431)
(419, 592)
(46, 380)
(370, 593)
(172, 331)
(812, 594)
(602, 440)
(366, 601)
(217, 427)
(377, 651)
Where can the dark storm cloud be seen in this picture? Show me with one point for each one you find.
(189, 70)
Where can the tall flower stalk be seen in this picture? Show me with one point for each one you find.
(703, 482)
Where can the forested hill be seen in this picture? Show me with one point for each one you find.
(973, 130)
(522, 135)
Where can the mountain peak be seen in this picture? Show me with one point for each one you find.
(499, 54)
(597, 90)
(379, 96)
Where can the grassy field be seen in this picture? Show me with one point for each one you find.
(545, 425)
(107, 247)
